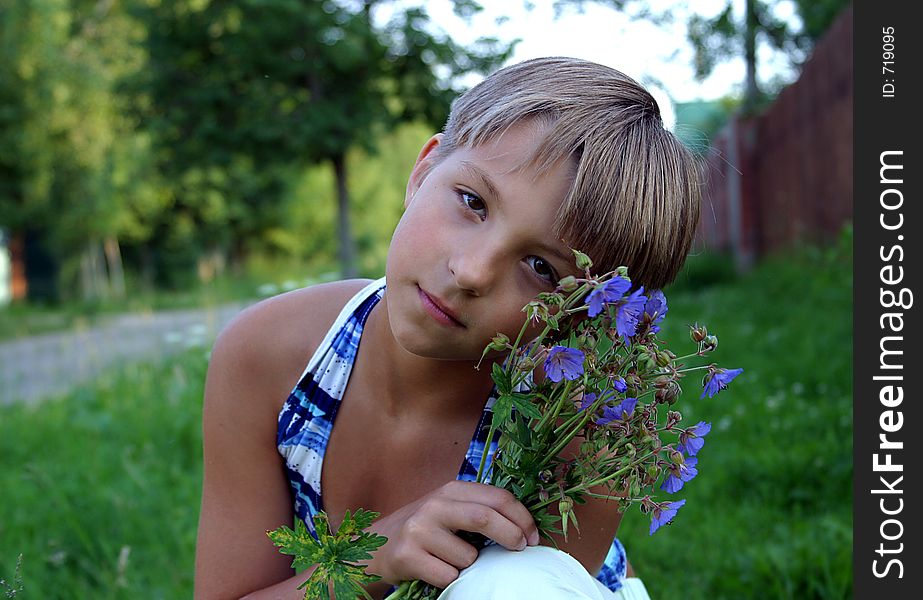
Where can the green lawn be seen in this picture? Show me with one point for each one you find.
(770, 514)
(101, 489)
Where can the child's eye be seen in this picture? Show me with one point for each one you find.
(543, 269)
(472, 203)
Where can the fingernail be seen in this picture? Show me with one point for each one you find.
(522, 544)
(533, 538)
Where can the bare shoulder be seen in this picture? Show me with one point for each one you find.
(273, 340)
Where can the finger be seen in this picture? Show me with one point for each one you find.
(500, 500)
(482, 518)
(433, 570)
(451, 549)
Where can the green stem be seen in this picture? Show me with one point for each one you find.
(553, 413)
(692, 369)
(584, 487)
(401, 592)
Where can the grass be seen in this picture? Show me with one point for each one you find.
(101, 488)
(770, 514)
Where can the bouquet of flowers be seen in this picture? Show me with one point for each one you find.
(607, 380)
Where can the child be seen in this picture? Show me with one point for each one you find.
(541, 157)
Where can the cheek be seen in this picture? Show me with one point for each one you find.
(407, 245)
(511, 319)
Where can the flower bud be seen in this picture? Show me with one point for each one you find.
(587, 339)
(545, 476)
(665, 357)
(710, 343)
(635, 487)
(676, 457)
(697, 332)
(583, 261)
(542, 494)
(565, 506)
(673, 417)
(551, 299)
(500, 342)
(652, 473)
(568, 284)
(526, 365)
(668, 394)
(647, 361)
(662, 381)
(630, 449)
(633, 381)
(622, 272)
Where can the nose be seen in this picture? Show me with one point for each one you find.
(475, 268)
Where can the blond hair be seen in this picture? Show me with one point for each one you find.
(635, 196)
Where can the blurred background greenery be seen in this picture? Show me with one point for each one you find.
(166, 154)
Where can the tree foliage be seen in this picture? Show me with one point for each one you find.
(244, 92)
(175, 129)
(729, 36)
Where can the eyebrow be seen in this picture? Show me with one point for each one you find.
(478, 173)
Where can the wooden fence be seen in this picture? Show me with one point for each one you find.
(785, 176)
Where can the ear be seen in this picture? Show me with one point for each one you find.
(421, 168)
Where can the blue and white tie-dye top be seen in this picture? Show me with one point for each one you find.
(307, 418)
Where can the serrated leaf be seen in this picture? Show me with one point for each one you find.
(502, 408)
(523, 404)
(364, 518)
(502, 380)
(298, 543)
(333, 554)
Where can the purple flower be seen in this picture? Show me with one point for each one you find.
(619, 384)
(655, 309)
(621, 412)
(564, 363)
(587, 401)
(718, 379)
(626, 321)
(690, 441)
(610, 291)
(680, 474)
(664, 513)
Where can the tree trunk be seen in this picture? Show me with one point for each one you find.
(92, 273)
(148, 268)
(114, 263)
(752, 90)
(347, 245)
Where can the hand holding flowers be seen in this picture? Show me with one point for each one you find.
(606, 382)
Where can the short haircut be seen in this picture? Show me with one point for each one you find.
(635, 196)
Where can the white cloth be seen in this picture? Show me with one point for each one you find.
(536, 573)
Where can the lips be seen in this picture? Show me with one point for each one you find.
(438, 309)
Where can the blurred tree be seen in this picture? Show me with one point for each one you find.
(68, 154)
(725, 37)
(246, 93)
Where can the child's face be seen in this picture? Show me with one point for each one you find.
(476, 236)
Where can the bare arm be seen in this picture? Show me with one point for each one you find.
(245, 493)
(598, 520)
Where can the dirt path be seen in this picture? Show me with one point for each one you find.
(43, 365)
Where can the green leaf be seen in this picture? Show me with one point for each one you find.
(502, 408)
(502, 379)
(334, 554)
(523, 404)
